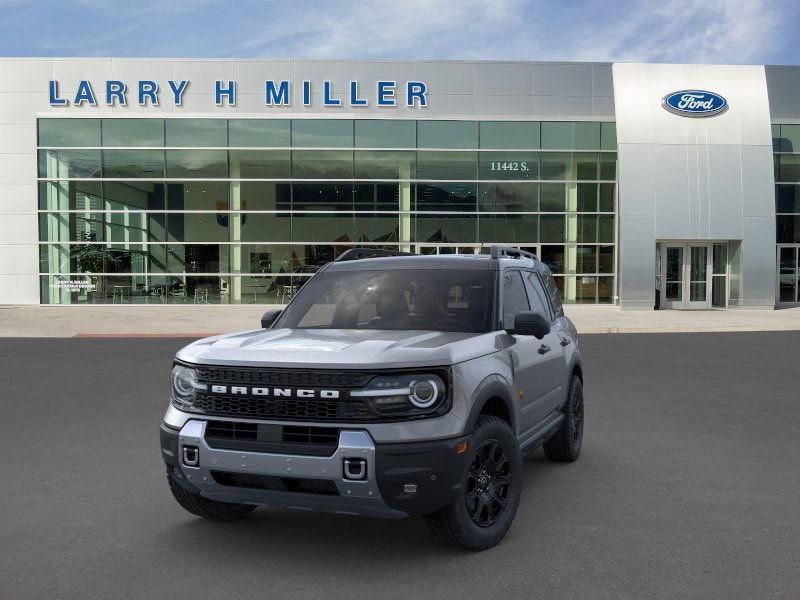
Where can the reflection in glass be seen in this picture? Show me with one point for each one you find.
(259, 133)
(460, 197)
(512, 229)
(508, 197)
(198, 195)
(447, 134)
(385, 165)
(322, 164)
(132, 164)
(133, 132)
(64, 164)
(509, 165)
(322, 133)
(197, 164)
(65, 133)
(509, 134)
(447, 165)
(198, 133)
(383, 133)
(260, 164)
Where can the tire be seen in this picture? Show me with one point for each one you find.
(565, 445)
(490, 491)
(208, 509)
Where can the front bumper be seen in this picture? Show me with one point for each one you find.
(401, 479)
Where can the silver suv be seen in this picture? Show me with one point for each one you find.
(391, 386)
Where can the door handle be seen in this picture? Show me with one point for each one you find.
(543, 349)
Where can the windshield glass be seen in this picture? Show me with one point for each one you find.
(436, 300)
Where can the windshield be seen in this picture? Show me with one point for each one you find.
(436, 300)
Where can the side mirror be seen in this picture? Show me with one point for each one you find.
(269, 317)
(531, 323)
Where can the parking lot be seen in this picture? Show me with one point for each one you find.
(688, 487)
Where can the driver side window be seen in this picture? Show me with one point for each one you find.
(515, 298)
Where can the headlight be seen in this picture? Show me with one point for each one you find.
(405, 395)
(184, 387)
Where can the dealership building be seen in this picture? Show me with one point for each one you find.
(161, 181)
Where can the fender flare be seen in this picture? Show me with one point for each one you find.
(495, 387)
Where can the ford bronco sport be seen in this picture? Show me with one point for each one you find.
(390, 386)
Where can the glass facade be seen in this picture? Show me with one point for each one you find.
(245, 210)
(786, 148)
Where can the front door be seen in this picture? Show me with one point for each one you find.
(686, 275)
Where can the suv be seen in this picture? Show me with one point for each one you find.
(392, 385)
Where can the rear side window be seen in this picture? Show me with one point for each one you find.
(515, 298)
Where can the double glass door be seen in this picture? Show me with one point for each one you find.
(686, 274)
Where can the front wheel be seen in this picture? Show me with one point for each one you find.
(490, 490)
(565, 445)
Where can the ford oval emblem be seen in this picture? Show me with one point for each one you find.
(695, 103)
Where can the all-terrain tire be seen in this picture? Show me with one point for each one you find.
(565, 445)
(468, 523)
(208, 509)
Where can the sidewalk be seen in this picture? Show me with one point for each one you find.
(199, 321)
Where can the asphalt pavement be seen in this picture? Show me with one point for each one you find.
(688, 487)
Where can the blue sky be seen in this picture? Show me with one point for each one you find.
(712, 31)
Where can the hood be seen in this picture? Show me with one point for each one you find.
(340, 348)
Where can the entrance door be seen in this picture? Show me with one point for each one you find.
(686, 276)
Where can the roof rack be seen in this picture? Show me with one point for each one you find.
(359, 253)
(509, 252)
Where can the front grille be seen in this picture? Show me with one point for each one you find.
(271, 438)
(292, 409)
(284, 377)
(276, 484)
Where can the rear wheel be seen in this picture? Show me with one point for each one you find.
(490, 490)
(565, 445)
(208, 509)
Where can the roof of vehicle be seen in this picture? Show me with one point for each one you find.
(477, 262)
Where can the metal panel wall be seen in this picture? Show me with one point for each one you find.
(694, 178)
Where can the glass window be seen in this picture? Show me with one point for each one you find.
(263, 195)
(553, 197)
(605, 262)
(553, 257)
(509, 165)
(536, 295)
(198, 227)
(606, 197)
(788, 229)
(322, 196)
(266, 227)
(380, 133)
(198, 195)
(446, 196)
(259, 133)
(787, 198)
(552, 228)
(133, 132)
(446, 228)
(587, 228)
(587, 136)
(720, 262)
(608, 166)
(134, 195)
(508, 197)
(585, 166)
(557, 165)
(557, 135)
(322, 227)
(385, 164)
(447, 165)
(66, 133)
(790, 138)
(447, 134)
(196, 258)
(586, 289)
(196, 132)
(322, 133)
(605, 228)
(511, 229)
(515, 298)
(70, 195)
(132, 164)
(605, 290)
(198, 164)
(321, 164)
(509, 134)
(587, 197)
(377, 227)
(63, 164)
(75, 227)
(608, 136)
(586, 259)
(260, 164)
(789, 170)
(382, 196)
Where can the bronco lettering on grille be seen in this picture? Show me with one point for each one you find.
(240, 390)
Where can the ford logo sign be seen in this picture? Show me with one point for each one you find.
(695, 103)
